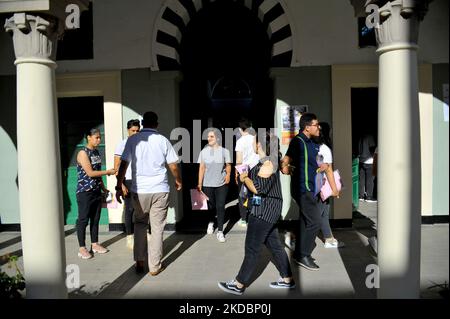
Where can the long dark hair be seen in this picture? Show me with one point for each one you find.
(324, 136)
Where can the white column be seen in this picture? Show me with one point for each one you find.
(399, 179)
(40, 197)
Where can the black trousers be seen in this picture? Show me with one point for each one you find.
(89, 209)
(216, 204)
(260, 232)
(365, 181)
(128, 210)
(310, 223)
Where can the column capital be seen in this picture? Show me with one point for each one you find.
(399, 24)
(34, 36)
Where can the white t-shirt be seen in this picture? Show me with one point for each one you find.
(118, 152)
(149, 152)
(245, 146)
(324, 155)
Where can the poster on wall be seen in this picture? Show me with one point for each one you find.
(445, 106)
(290, 117)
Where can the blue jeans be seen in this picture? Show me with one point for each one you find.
(260, 232)
(324, 208)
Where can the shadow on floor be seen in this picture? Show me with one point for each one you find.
(5, 258)
(126, 281)
(119, 287)
(10, 242)
(173, 240)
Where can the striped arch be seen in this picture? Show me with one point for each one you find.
(176, 14)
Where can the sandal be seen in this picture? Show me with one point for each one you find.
(84, 254)
(100, 250)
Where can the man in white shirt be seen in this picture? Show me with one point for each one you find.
(133, 127)
(246, 155)
(149, 152)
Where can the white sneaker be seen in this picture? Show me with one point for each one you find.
(210, 229)
(221, 237)
(130, 241)
(334, 243)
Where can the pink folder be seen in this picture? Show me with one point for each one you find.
(199, 201)
(326, 191)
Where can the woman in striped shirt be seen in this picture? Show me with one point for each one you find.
(267, 202)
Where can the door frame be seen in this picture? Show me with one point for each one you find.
(343, 79)
(108, 85)
(346, 77)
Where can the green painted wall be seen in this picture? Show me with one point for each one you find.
(9, 203)
(440, 142)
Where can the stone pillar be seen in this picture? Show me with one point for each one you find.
(40, 197)
(399, 167)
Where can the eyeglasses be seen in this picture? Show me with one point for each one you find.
(318, 125)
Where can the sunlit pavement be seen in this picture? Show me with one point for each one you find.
(196, 262)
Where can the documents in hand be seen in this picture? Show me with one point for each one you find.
(243, 168)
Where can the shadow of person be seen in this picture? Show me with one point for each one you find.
(121, 286)
(186, 240)
(363, 224)
(232, 216)
(127, 280)
(112, 240)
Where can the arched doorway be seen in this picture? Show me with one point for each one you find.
(225, 57)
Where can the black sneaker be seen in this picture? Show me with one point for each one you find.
(231, 287)
(308, 263)
(281, 284)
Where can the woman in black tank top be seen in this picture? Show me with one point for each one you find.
(89, 193)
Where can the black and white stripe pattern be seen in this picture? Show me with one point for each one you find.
(270, 191)
(176, 14)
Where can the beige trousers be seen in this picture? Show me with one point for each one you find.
(151, 207)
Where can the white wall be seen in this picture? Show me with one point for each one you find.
(325, 31)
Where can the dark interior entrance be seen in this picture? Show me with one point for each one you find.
(225, 56)
(364, 122)
(76, 116)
